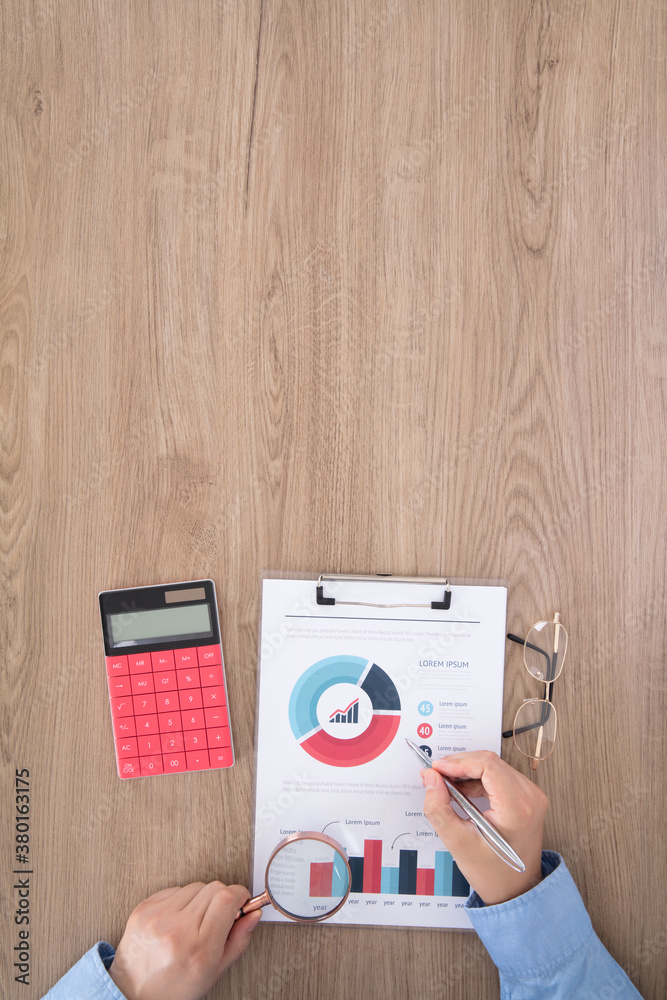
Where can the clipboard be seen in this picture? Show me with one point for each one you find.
(443, 605)
(349, 664)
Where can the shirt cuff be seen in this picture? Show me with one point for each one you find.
(538, 931)
(89, 979)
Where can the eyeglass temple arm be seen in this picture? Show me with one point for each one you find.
(522, 642)
(551, 669)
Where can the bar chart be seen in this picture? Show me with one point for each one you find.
(349, 714)
(328, 878)
(369, 875)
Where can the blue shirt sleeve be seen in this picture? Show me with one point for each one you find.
(544, 945)
(89, 979)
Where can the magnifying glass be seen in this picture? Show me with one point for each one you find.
(307, 878)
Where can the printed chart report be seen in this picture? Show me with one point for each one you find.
(340, 687)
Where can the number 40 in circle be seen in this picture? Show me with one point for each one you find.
(424, 730)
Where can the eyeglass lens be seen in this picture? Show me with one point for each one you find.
(535, 729)
(544, 651)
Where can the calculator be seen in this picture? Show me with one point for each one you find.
(166, 678)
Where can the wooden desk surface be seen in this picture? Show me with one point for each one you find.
(325, 285)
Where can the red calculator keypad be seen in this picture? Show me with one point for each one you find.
(169, 711)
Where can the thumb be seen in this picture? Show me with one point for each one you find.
(438, 810)
(239, 937)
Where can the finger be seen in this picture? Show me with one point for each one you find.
(514, 801)
(223, 903)
(499, 780)
(471, 787)
(239, 937)
(155, 901)
(199, 904)
(157, 897)
(185, 894)
(440, 814)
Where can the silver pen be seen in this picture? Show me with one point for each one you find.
(497, 843)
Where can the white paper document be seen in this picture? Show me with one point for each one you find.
(340, 687)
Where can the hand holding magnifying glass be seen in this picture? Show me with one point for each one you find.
(307, 878)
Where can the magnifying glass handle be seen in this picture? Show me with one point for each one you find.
(256, 903)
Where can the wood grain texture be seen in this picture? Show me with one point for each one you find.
(317, 285)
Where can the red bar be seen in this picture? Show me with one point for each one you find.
(425, 881)
(321, 878)
(372, 866)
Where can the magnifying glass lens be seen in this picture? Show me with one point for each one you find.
(308, 879)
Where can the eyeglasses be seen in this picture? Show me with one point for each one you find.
(535, 722)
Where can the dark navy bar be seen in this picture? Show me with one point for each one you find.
(407, 873)
(460, 886)
(357, 870)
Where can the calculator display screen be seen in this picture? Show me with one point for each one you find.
(160, 625)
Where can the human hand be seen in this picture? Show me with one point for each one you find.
(180, 940)
(517, 811)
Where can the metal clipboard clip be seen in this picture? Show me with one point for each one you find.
(443, 605)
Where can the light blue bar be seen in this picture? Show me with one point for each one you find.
(340, 879)
(444, 867)
(389, 880)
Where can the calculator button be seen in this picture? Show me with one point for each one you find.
(116, 666)
(126, 748)
(190, 699)
(141, 683)
(151, 765)
(124, 726)
(208, 655)
(170, 722)
(193, 720)
(119, 686)
(215, 717)
(172, 742)
(195, 740)
(188, 678)
(163, 660)
(219, 737)
(129, 768)
(121, 706)
(173, 763)
(221, 758)
(210, 675)
(213, 697)
(140, 663)
(149, 745)
(197, 760)
(167, 702)
(185, 657)
(165, 680)
(147, 725)
(144, 704)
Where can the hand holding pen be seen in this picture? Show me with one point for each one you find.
(517, 811)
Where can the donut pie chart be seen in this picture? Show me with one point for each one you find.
(323, 745)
